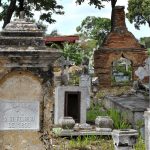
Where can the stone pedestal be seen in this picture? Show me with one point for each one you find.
(124, 139)
(147, 129)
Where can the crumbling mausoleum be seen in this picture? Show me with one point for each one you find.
(118, 43)
(26, 86)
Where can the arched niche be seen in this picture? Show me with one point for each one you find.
(121, 71)
(20, 86)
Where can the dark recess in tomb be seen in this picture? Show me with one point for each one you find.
(72, 105)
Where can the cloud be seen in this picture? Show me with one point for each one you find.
(74, 14)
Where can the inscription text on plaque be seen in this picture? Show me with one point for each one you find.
(19, 115)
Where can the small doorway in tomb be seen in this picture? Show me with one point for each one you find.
(72, 105)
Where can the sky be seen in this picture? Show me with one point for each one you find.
(74, 14)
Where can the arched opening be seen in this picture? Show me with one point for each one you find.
(121, 73)
(20, 101)
(20, 86)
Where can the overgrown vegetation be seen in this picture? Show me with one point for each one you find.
(99, 142)
(145, 41)
(117, 117)
(140, 145)
(93, 112)
(74, 79)
(89, 142)
(98, 110)
(121, 71)
(94, 28)
(119, 121)
(115, 91)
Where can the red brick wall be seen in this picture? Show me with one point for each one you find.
(117, 43)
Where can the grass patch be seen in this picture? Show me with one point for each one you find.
(119, 122)
(93, 112)
(90, 142)
(116, 116)
(140, 145)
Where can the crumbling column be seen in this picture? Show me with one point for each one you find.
(124, 139)
(147, 129)
(119, 19)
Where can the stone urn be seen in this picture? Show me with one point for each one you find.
(124, 139)
(67, 122)
(104, 122)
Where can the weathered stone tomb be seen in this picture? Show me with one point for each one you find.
(26, 86)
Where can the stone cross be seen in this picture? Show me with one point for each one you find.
(65, 66)
(85, 65)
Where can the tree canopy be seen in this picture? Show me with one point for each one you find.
(145, 41)
(94, 28)
(46, 7)
(54, 33)
(73, 52)
(98, 3)
(139, 12)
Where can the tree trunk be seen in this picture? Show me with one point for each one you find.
(21, 5)
(113, 4)
(9, 13)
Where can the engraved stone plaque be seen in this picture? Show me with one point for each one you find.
(19, 115)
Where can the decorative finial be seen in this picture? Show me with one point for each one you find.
(22, 15)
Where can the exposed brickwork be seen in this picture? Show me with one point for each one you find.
(119, 42)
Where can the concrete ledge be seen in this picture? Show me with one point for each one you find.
(131, 106)
(70, 133)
